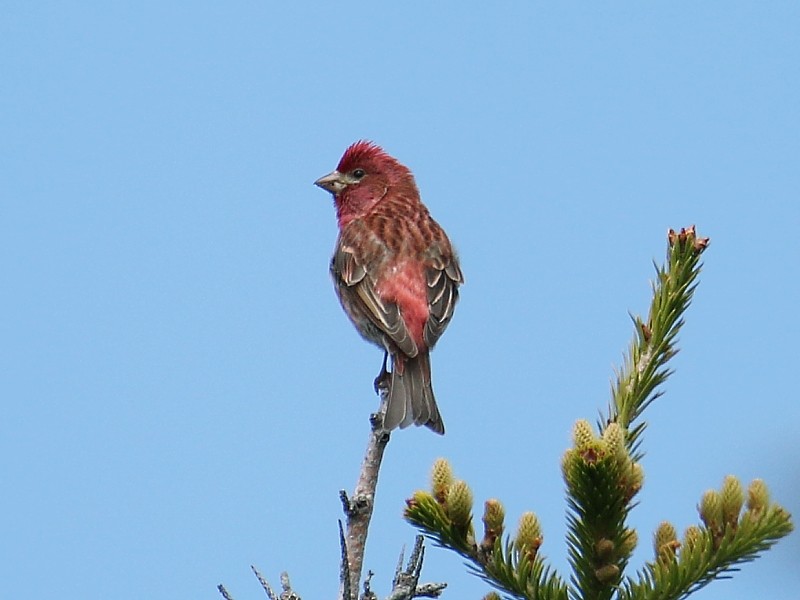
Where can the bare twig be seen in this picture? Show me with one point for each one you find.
(358, 508)
(264, 584)
(368, 593)
(224, 592)
(406, 583)
(287, 593)
(344, 569)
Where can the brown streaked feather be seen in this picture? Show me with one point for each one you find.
(354, 282)
(443, 277)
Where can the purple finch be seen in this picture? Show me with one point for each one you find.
(396, 275)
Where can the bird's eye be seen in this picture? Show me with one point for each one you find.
(359, 173)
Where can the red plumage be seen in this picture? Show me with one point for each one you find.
(396, 275)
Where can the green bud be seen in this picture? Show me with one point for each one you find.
(583, 435)
(710, 510)
(629, 540)
(732, 498)
(492, 596)
(441, 479)
(459, 504)
(614, 437)
(757, 497)
(568, 461)
(692, 537)
(493, 516)
(666, 540)
(529, 534)
(419, 497)
(634, 479)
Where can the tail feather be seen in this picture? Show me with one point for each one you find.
(411, 400)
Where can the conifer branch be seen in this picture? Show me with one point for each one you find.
(513, 565)
(726, 539)
(603, 475)
(644, 370)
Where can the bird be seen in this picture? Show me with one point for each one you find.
(396, 275)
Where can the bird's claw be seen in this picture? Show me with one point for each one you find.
(381, 382)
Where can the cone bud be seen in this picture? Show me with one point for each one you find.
(529, 534)
(629, 540)
(710, 510)
(732, 499)
(666, 540)
(604, 549)
(493, 516)
(607, 573)
(692, 537)
(614, 437)
(441, 479)
(459, 504)
(583, 435)
(757, 497)
(568, 464)
(419, 497)
(634, 480)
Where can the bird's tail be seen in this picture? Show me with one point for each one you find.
(411, 400)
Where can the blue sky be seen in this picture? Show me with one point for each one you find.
(182, 395)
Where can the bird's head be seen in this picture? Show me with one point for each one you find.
(365, 175)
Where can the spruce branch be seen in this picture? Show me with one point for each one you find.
(713, 550)
(602, 480)
(512, 565)
(645, 369)
(603, 475)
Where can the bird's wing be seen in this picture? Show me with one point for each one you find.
(443, 276)
(356, 287)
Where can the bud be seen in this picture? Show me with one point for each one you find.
(604, 549)
(607, 574)
(629, 540)
(568, 464)
(637, 475)
(493, 516)
(419, 497)
(692, 537)
(492, 596)
(529, 535)
(710, 510)
(441, 479)
(459, 505)
(732, 499)
(583, 435)
(666, 541)
(757, 497)
(634, 479)
(614, 437)
(672, 236)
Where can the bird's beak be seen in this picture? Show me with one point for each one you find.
(333, 182)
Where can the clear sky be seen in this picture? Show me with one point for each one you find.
(182, 395)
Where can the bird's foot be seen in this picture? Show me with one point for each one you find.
(383, 379)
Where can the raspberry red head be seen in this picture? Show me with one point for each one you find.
(363, 177)
(370, 157)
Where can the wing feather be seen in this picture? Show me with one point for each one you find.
(357, 288)
(443, 277)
